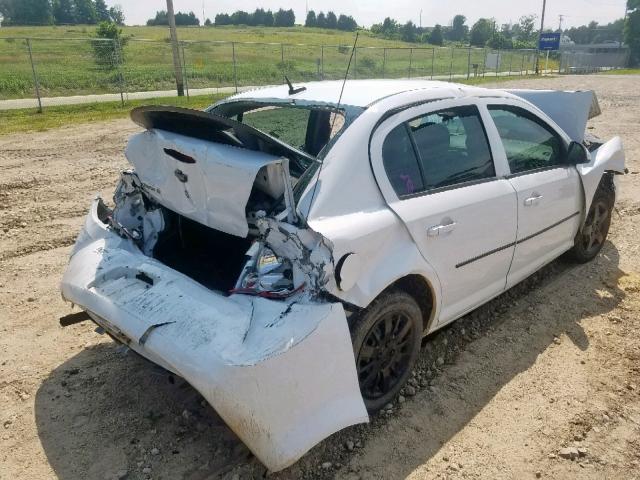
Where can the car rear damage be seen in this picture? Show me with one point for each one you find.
(204, 267)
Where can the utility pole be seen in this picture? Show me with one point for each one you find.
(420, 19)
(177, 66)
(560, 17)
(544, 7)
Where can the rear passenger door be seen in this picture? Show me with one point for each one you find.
(548, 188)
(436, 171)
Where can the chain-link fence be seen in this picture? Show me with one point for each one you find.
(92, 69)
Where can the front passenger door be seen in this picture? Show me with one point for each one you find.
(548, 188)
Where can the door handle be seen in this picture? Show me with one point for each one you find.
(532, 200)
(439, 229)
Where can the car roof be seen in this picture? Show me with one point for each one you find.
(362, 93)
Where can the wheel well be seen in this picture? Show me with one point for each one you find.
(420, 289)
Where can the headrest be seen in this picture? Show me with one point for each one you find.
(432, 139)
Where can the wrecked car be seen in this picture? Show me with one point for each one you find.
(285, 252)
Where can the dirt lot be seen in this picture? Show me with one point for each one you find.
(554, 363)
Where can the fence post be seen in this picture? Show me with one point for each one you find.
(484, 61)
(384, 62)
(433, 57)
(235, 73)
(184, 69)
(321, 62)
(451, 64)
(497, 62)
(35, 76)
(522, 67)
(410, 60)
(468, 62)
(284, 73)
(510, 61)
(120, 61)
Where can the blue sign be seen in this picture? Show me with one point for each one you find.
(549, 41)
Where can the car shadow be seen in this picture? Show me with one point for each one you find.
(107, 411)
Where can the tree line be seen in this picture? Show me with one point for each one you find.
(261, 17)
(330, 21)
(182, 19)
(59, 12)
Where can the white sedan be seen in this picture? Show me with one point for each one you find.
(286, 250)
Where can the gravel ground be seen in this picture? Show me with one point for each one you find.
(548, 370)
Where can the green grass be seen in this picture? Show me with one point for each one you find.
(28, 119)
(65, 64)
(622, 71)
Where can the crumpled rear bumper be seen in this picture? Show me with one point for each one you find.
(281, 374)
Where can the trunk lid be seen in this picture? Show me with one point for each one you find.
(197, 165)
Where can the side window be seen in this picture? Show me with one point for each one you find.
(452, 146)
(528, 142)
(400, 162)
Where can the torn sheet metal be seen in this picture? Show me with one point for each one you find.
(213, 189)
(608, 157)
(570, 110)
(280, 373)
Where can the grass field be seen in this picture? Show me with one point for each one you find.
(27, 119)
(65, 65)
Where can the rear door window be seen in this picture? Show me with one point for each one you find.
(400, 162)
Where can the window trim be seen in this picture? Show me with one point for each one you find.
(523, 112)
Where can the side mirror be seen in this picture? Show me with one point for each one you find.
(577, 154)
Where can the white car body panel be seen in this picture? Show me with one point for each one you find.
(282, 373)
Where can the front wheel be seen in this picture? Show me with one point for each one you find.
(591, 237)
(386, 344)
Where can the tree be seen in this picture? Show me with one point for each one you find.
(311, 19)
(408, 32)
(480, 32)
(102, 11)
(220, 19)
(85, 12)
(499, 41)
(26, 12)
(527, 24)
(284, 18)
(332, 20)
(109, 54)
(458, 30)
(435, 37)
(347, 23)
(321, 20)
(632, 31)
(63, 12)
(117, 15)
(159, 19)
(207, 22)
(187, 19)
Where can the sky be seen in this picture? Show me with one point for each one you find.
(368, 12)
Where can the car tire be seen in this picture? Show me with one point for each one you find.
(386, 343)
(591, 237)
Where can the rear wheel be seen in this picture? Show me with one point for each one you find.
(386, 344)
(591, 237)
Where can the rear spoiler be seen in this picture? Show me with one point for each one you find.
(570, 110)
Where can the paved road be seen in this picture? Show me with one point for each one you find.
(114, 97)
